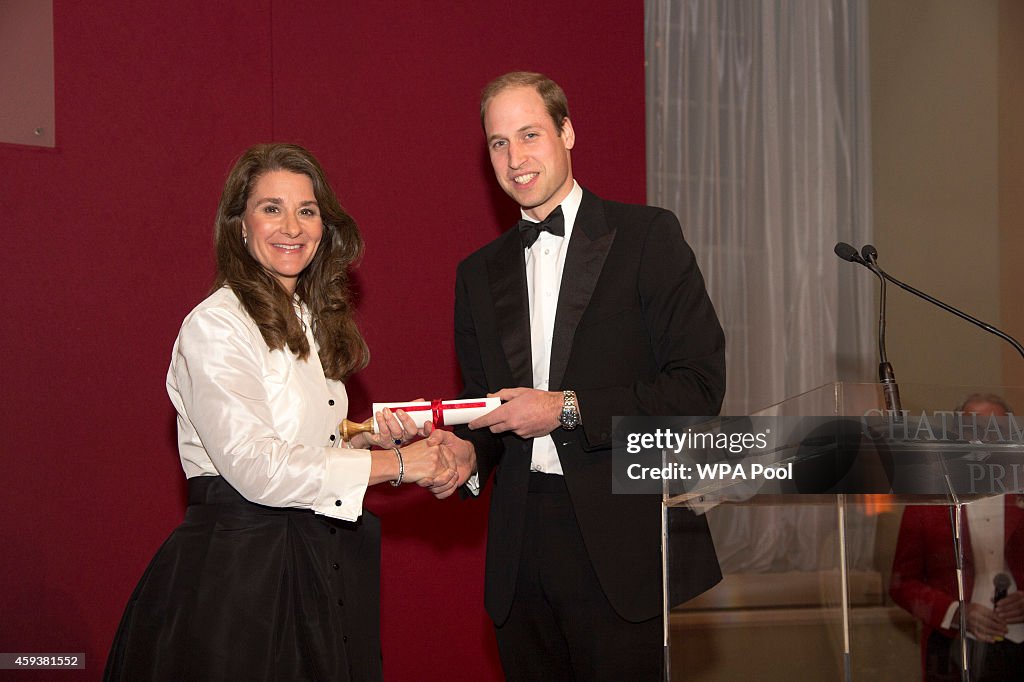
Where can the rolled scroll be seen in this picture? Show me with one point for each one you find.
(441, 412)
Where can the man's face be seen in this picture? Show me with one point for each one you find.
(530, 158)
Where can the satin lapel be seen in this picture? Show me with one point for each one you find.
(588, 247)
(506, 272)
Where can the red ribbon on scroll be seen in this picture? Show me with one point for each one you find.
(437, 408)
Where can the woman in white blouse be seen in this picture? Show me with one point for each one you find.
(274, 574)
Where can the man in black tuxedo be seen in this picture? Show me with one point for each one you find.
(599, 310)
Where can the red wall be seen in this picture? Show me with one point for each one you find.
(108, 246)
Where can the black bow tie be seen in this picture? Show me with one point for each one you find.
(554, 223)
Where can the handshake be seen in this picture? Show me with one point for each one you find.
(440, 461)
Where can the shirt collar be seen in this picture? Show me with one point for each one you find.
(570, 207)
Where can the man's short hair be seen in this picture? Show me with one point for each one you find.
(992, 398)
(553, 95)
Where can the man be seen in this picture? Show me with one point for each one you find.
(924, 577)
(602, 313)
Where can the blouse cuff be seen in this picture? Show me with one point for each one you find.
(346, 477)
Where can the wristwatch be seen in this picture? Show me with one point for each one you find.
(570, 417)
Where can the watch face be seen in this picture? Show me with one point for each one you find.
(569, 419)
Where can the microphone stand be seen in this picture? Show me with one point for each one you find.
(869, 259)
(956, 515)
(886, 376)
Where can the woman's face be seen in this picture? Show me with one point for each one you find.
(282, 225)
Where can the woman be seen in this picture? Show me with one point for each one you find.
(274, 574)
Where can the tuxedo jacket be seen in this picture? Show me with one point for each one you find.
(635, 334)
(924, 565)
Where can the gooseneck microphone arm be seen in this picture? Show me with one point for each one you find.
(886, 375)
(868, 258)
(959, 313)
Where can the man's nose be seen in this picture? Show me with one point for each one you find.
(516, 155)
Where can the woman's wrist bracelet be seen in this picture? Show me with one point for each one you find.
(401, 468)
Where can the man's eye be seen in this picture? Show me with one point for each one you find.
(498, 144)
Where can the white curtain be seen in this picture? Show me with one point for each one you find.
(758, 139)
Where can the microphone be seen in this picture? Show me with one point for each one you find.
(1002, 583)
(870, 254)
(847, 252)
(868, 257)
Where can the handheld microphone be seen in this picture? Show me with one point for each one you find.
(1001, 583)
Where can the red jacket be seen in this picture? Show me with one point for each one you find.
(924, 567)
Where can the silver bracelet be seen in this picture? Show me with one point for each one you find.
(401, 468)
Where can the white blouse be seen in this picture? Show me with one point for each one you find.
(264, 420)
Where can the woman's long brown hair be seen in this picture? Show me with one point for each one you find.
(322, 286)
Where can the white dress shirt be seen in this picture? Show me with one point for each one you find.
(545, 260)
(264, 420)
(986, 520)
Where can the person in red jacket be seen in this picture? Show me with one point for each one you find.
(924, 578)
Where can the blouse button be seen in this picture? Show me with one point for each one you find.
(337, 503)
(330, 402)
(332, 437)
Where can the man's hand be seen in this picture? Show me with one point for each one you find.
(464, 455)
(527, 412)
(983, 623)
(1010, 609)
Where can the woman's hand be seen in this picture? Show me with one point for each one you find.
(397, 428)
(429, 464)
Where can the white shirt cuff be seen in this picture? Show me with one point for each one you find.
(345, 479)
(473, 485)
(947, 622)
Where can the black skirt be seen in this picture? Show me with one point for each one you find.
(241, 591)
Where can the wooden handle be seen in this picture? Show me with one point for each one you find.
(350, 428)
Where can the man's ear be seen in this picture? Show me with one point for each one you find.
(568, 135)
